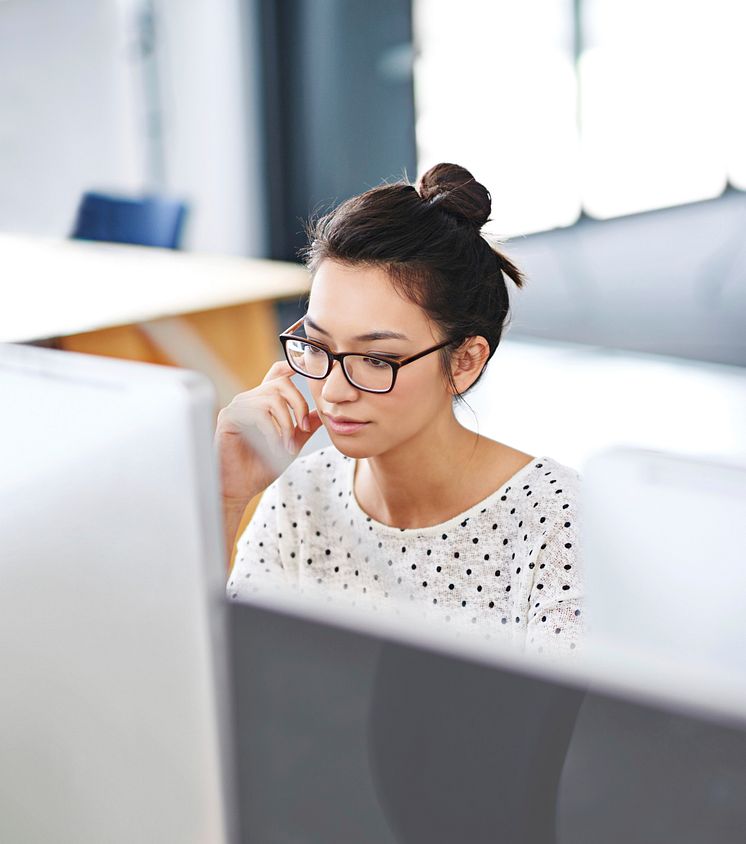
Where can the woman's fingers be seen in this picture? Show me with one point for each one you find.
(278, 369)
(280, 373)
(280, 411)
(314, 421)
(294, 398)
(301, 437)
(271, 433)
(269, 408)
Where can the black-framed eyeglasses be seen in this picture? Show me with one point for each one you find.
(371, 373)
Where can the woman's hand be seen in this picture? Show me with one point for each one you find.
(256, 437)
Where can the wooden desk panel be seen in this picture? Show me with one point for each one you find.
(243, 337)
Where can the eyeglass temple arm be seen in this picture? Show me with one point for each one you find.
(422, 354)
(293, 327)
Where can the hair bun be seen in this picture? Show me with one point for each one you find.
(454, 190)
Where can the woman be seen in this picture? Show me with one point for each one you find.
(407, 305)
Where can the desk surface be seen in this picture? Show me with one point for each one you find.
(52, 287)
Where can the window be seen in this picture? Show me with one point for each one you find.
(495, 92)
(652, 104)
(650, 115)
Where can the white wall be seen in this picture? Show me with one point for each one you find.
(67, 109)
(211, 143)
(73, 111)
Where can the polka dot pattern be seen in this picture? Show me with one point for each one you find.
(509, 563)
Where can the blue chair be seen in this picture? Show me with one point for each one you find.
(147, 221)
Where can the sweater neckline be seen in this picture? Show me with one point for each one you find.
(441, 526)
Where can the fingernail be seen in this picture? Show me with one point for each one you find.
(305, 423)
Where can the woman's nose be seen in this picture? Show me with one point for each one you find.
(336, 387)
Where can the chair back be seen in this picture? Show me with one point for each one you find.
(146, 221)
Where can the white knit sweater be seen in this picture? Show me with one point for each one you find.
(509, 564)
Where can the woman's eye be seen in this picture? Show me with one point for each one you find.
(375, 364)
(311, 350)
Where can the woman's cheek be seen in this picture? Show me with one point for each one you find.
(409, 404)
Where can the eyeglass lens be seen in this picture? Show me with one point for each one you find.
(365, 372)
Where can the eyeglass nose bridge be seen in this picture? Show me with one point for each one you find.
(332, 358)
(340, 358)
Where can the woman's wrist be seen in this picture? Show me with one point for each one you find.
(233, 510)
(235, 505)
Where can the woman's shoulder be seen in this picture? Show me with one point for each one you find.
(551, 486)
(551, 469)
(543, 475)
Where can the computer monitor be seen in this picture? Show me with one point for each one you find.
(663, 553)
(356, 727)
(344, 725)
(113, 693)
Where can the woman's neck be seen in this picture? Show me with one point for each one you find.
(427, 481)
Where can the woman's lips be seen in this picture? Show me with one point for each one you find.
(340, 427)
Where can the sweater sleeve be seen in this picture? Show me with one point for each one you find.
(257, 564)
(556, 621)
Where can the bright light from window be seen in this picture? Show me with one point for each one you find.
(732, 88)
(661, 83)
(652, 105)
(495, 92)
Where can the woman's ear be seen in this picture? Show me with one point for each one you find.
(468, 361)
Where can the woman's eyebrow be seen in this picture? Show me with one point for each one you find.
(362, 338)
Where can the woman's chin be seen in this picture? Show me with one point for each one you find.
(354, 450)
(349, 447)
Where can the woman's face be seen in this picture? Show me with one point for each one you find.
(347, 302)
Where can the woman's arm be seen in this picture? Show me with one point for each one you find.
(232, 514)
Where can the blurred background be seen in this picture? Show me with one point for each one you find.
(608, 132)
(158, 160)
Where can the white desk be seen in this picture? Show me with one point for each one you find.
(120, 301)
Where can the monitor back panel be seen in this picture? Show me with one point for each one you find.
(348, 736)
(110, 609)
(662, 542)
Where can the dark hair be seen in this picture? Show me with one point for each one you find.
(428, 239)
